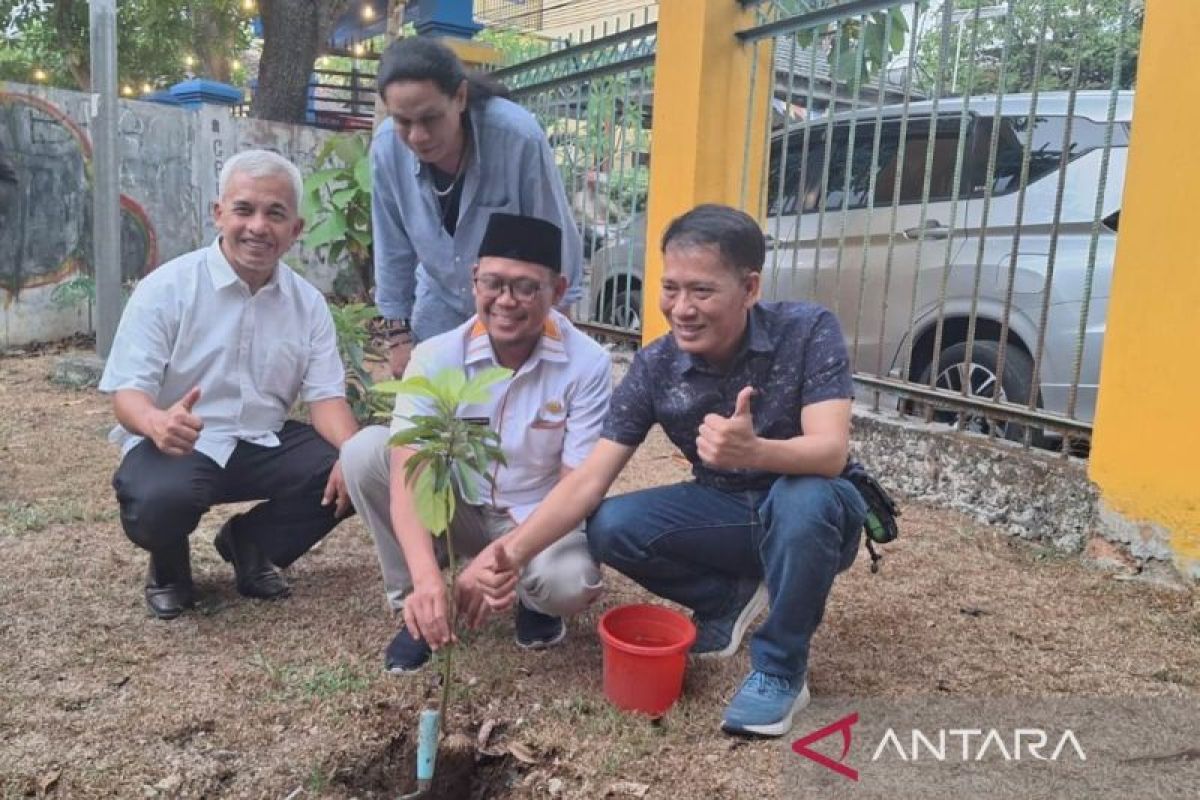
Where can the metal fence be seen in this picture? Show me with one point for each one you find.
(520, 14)
(594, 102)
(947, 178)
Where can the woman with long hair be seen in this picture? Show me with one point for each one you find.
(453, 151)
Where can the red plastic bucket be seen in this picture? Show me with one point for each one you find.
(645, 652)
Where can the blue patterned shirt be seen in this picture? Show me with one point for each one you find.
(792, 353)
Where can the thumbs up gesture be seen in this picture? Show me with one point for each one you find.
(175, 430)
(729, 442)
(487, 584)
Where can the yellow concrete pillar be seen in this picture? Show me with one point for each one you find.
(701, 145)
(1146, 454)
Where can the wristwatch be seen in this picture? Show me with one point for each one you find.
(397, 331)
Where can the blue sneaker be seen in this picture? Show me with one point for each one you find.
(721, 637)
(537, 631)
(405, 654)
(765, 705)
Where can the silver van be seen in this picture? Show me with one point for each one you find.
(856, 237)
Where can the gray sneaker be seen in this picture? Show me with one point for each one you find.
(721, 637)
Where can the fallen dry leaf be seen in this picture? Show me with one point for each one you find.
(627, 789)
(47, 780)
(483, 739)
(523, 753)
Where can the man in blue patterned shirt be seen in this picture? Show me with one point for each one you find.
(757, 396)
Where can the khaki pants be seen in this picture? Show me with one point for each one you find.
(562, 580)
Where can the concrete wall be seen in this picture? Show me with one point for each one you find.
(170, 158)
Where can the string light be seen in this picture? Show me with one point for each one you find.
(248, 6)
(189, 62)
(147, 88)
(234, 64)
(127, 90)
(368, 13)
(40, 75)
(359, 49)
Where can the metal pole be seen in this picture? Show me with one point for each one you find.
(957, 56)
(106, 171)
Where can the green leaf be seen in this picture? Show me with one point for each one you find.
(330, 229)
(434, 508)
(405, 438)
(476, 390)
(387, 387)
(362, 174)
(311, 207)
(317, 180)
(418, 385)
(325, 151)
(349, 148)
(466, 486)
(341, 198)
(448, 384)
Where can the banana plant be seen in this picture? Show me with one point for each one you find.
(448, 453)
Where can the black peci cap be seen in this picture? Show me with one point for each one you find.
(523, 239)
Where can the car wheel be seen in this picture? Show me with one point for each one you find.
(623, 311)
(980, 374)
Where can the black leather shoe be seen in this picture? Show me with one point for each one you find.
(169, 589)
(256, 575)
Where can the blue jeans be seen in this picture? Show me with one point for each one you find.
(693, 545)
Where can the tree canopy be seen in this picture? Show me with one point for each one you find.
(1090, 30)
(159, 42)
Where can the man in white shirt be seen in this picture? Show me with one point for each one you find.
(212, 351)
(548, 416)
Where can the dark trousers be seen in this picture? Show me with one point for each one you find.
(162, 497)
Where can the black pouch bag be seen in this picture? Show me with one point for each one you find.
(880, 525)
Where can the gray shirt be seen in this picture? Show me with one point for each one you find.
(511, 170)
(194, 322)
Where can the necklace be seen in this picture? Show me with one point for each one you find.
(458, 173)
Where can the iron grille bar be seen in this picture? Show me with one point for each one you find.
(814, 19)
(983, 405)
(631, 34)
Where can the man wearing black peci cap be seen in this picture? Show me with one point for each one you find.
(548, 415)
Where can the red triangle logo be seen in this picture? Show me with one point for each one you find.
(801, 746)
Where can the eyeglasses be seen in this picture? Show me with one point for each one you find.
(523, 290)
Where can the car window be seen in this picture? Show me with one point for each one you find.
(910, 172)
(1045, 153)
(789, 197)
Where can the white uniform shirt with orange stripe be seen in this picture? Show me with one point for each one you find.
(548, 414)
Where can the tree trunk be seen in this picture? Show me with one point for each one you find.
(209, 42)
(293, 35)
(77, 61)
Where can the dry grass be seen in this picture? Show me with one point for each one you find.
(250, 699)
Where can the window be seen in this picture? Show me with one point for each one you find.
(786, 197)
(1045, 153)
(911, 175)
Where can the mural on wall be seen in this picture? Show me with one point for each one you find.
(170, 160)
(45, 234)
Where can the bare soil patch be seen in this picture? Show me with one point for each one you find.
(287, 699)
